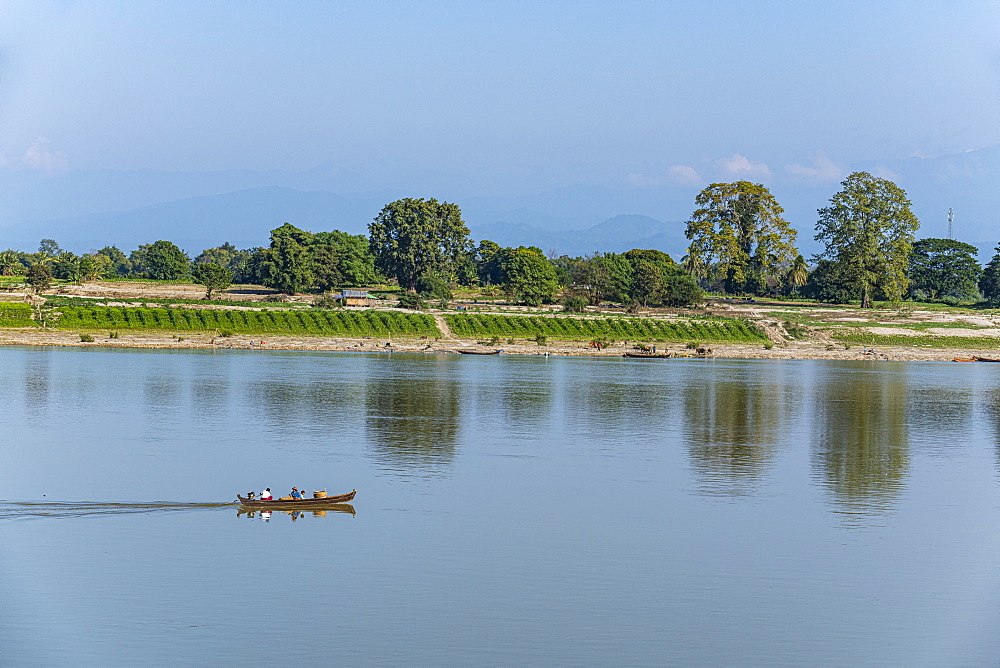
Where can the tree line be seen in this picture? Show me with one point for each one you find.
(739, 244)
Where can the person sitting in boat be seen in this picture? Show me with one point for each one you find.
(296, 494)
(266, 495)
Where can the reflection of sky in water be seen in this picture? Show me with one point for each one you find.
(509, 508)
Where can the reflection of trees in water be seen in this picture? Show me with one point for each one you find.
(209, 396)
(162, 393)
(37, 382)
(861, 447)
(302, 404)
(991, 408)
(732, 428)
(517, 404)
(413, 427)
(939, 412)
(620, 408)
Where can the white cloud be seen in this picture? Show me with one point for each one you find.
(673, 175)
(741, 166)
(40, 156)
(684, 175)
(821, 169)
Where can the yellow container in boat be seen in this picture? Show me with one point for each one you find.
(319, 495)
(285, 498)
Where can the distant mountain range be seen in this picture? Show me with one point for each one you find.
(89, 210)
(614, 235)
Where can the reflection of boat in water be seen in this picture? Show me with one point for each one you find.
(648, 356)
(480, 352)
(292, 504)
(297, 513)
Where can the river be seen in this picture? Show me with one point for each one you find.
(522, 510)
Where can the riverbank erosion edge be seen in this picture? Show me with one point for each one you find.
(206, 341)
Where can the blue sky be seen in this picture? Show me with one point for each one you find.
(497, 98)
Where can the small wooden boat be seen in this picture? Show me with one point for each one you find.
(964, 359)
(987, 359)
(648, 356)
(480, 352)
(297, 503)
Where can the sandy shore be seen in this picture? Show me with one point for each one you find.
(187, 340)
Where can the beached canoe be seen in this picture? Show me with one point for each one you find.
(297, 503)
(648, 356)
(480, 352)
(987, 359)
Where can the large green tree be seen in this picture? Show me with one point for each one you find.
(39, 276)
(989, 282)
(658, 280)
(413, 237)
(288, 264)
(341, 259)
(161, 260)
(94, 266)
(869, 229)
(66, 266)
(120, 264)
(738, 236)
(829, 282)
(489, 262)
(944, 268)
(213, 276)
(529, 276)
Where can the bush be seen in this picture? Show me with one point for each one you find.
(541, 339)
(795, 330)
(575, 304)
(433, 287)
(328, 301)
(86, 338)
(532, 300)
(411, 300)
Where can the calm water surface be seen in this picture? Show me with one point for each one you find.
(520, 510)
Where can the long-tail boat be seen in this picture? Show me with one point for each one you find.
(480, 352)
(297, 503)
(649, 356)
(987, 359)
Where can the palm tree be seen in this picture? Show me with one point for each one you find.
(798, 274)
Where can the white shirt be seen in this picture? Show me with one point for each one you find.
(265, 494)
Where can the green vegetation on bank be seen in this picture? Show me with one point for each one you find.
(628, 329)
(15, 315)
(920, 341)
(316, 322)
(59, 301)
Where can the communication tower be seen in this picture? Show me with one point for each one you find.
(951, 219)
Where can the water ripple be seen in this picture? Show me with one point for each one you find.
(14, 510)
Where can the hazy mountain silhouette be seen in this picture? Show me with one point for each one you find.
(85, 210)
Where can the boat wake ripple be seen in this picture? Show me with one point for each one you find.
(14, 510)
